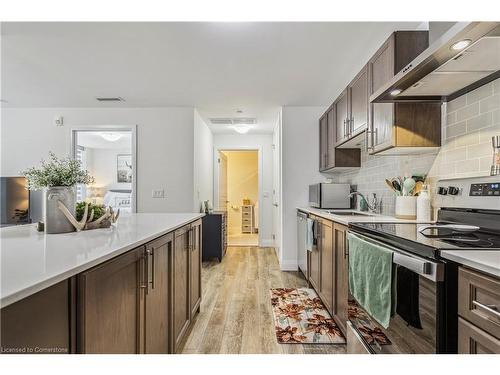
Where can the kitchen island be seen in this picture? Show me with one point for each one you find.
(103, 290)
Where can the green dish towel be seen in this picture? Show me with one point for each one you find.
(370, 277)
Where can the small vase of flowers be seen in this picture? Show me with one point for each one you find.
(58, 178)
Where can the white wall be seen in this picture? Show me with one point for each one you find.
(264, 142)
(299, 168)
(203, 163)
(102, 165)
(164, 146)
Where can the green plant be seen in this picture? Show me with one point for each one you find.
(57, 172)
(99, 210)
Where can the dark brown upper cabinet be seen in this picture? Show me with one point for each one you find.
(352, 112)
(342, 116)
(358, 103)
(332, 159)
(400, 128)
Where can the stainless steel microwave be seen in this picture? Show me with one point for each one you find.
(326, 195)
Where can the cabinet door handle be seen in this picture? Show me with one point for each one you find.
(193, 244)
(143, 272)
(153, 273)
(490, 309)
(346, 248)
(345, 128)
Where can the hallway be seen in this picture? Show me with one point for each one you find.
(236, 315)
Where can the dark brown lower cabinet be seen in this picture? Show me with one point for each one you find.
(195, 267)
(315, 265)
(473, 340)
(181, 281)
(139, 302)
(40, 323)
(111, 305)
(328, 268)
(327, 285)
(341, 275)
(157, 307)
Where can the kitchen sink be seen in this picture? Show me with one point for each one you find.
(349, 213)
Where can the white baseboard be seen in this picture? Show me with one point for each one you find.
(289, 265)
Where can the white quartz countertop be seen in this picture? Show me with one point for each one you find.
(483, 260)
(31, 261)
(487, 261)
(346, 219)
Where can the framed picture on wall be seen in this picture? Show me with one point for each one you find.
(124, 168)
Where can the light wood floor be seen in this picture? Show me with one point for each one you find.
(236, 315)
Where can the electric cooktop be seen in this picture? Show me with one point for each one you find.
(429, 239)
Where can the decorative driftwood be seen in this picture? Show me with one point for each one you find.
(86, 223)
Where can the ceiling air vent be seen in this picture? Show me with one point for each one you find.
(244, 121)
(233, 121)
(110, 99)
(221, 121)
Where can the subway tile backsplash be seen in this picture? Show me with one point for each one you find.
(470, 122)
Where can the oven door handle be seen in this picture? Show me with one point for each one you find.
(430, 270)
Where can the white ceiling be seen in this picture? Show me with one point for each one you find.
(215, 67)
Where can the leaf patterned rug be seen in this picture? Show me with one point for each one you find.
(301, 318)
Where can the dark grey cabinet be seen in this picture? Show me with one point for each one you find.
(214, 236)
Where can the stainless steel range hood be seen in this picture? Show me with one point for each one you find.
(444, 71)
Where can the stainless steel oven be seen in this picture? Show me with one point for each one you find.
(424, 324)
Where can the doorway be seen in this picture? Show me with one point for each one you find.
(108, 153)
(238, 194)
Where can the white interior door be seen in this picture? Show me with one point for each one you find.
(223, 201)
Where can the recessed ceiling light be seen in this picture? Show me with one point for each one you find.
(395, 92)
(460, 44)
(111, 137)
(242, 129)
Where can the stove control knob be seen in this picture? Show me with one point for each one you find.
(442, 190)
(452, 190)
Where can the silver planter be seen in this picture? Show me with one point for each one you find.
(55, 221)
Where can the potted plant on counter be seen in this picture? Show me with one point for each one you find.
(58, 178)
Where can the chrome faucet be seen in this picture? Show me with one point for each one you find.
(374, 206)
